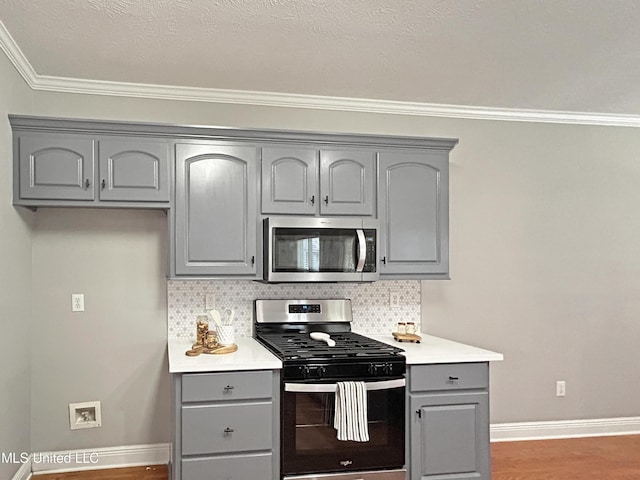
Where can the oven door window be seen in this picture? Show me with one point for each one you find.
(310, 443)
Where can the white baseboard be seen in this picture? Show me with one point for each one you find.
(598, 427)
(99, 458)
(160, 454)
(24, 472)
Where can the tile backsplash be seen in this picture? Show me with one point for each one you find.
(371, 311)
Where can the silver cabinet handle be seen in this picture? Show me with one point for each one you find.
(331, 387)
(103, 184)
(313, 200)
(87, 183)
(228, 430)
(228, 388)
(326, 200)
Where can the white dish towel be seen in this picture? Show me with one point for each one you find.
(350, 419)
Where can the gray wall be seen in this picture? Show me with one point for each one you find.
(114, 351)
(15, 285)
(545, 228)
(544, 264)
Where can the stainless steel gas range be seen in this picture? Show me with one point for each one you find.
(325, 365)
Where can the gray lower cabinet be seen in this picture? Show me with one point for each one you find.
(54, 169)
(216, 209)
(229, 467)
(413, 208)
(226, 426)
(317, 181)
(449, 422)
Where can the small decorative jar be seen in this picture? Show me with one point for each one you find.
(202, 328)
(212, 340)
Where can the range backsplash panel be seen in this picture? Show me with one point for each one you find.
(371, 311)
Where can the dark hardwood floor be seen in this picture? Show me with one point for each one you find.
(593, 458)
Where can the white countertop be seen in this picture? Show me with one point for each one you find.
(253, 356)
(249, 356)
(439, 350)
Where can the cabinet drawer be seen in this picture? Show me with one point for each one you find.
(228, 468)
(227, 386)
(449, 376)
(223, 428)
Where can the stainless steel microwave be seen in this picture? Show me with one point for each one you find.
(311, 249)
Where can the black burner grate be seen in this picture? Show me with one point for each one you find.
(349, 345)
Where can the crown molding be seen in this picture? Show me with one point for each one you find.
(11, 49)
(285, 100)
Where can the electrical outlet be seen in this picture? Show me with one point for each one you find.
(77, 302)
(210, 301)
(561, 388)
(85, 415)
(394, 299)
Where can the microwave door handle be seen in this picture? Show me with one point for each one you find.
(331, 387)
(362, 250)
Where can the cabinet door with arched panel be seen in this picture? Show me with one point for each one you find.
(55, 167)
(134, 170)
(347, 182)
(413, 208)
(289, 180)
(215, 209)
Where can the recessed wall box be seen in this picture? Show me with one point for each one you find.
(85, 415)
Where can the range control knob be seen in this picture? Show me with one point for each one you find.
(322, 371)
(304, 371)
(380, 369)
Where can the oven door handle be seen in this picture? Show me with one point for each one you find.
(331, 387)
(362, 250)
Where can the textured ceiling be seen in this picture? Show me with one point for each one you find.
(557, 55)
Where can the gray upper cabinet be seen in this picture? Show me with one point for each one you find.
(52, 166)
(218, 182)
(312, 181)
(413, 208)
(290, 180)
(134, 170)
(215, 209)
(60, 169)
(347, 182)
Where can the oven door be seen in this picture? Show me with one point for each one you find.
(309, 440)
